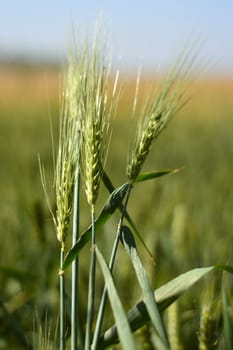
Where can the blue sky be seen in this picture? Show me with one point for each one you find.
(146, 33)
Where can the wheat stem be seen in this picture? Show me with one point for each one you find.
(91, 287)
(62, 301)
(74, 282)
(101, 309)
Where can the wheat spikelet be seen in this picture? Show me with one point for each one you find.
(210, 326)
(98, 106)
(156, 114)
(64, 177)
(173, 327)
(207, 330)
(144, 335)
(69, 144)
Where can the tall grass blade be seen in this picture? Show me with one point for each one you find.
(110, 206)
(62, 303)
(148, 294)
(125, 335)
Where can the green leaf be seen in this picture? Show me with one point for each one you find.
(122, 324)
(111, 205)
(139, 236)
(164, 296)
(153, 175)
(148, 294)
(108, 184)
(227, 268)
(106, 180)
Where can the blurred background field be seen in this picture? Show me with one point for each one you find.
(186, 219)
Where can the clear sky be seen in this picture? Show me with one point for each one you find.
(147, 33)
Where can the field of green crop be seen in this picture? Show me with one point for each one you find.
(186, 219)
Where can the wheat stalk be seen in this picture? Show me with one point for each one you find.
(98, 105)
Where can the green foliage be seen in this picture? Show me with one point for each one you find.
(164, 296)
(149, 176)
(111, 205)
(147, 291)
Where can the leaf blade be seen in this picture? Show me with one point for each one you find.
(122, 324)
(155, 174)
(148, 294)
(109, 186)
(110, 206)
(165, 296)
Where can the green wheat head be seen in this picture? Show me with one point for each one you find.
(156, 113)
(68, 156)
(98, 105)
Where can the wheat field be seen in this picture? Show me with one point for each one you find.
(186, 219)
